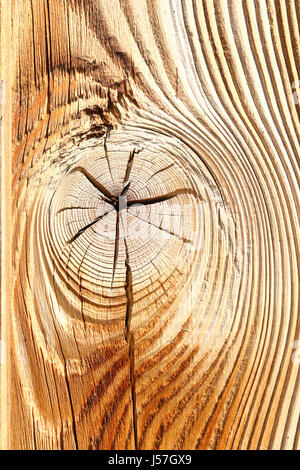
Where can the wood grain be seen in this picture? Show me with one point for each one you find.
(151, 257)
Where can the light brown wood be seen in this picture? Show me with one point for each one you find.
(150, 241)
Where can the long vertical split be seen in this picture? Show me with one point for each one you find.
(129, 337)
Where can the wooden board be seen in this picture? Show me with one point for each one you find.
(149, 224)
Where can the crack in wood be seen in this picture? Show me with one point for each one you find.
(133, 388)
(129, 338)
(116, 250)
(160, 171)
(108, 196)
(106, 135)
(74, 207)
(83, 229)
(130, 163)
(128, 334)
(159, 227)
(119, 203)
(157, 199)
(129, 166)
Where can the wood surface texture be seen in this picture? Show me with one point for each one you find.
(150, 224)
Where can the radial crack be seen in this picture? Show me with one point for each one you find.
(129, 296)
(83, 258)
(185, 240)
(133, 387)
(95, 183)
(165, 197)
(116, 251)
(129, 166)
(106, 155)
(160, 171)
(82, 230)
(74, 207)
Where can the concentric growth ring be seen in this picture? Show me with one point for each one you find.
(119, 217)
(130, 228)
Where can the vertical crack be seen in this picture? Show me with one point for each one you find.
(33, 45)
(133, 389)
(160, 171)
(70, 401)
(106, 136)
(129, 338)
(129, 297)
(116, 252)
(129, 166)
(49, 68)
(70, 53)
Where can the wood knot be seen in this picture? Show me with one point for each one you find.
(125, 222)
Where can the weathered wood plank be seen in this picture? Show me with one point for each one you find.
(151, 161)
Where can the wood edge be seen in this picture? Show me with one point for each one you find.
(5, 221)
